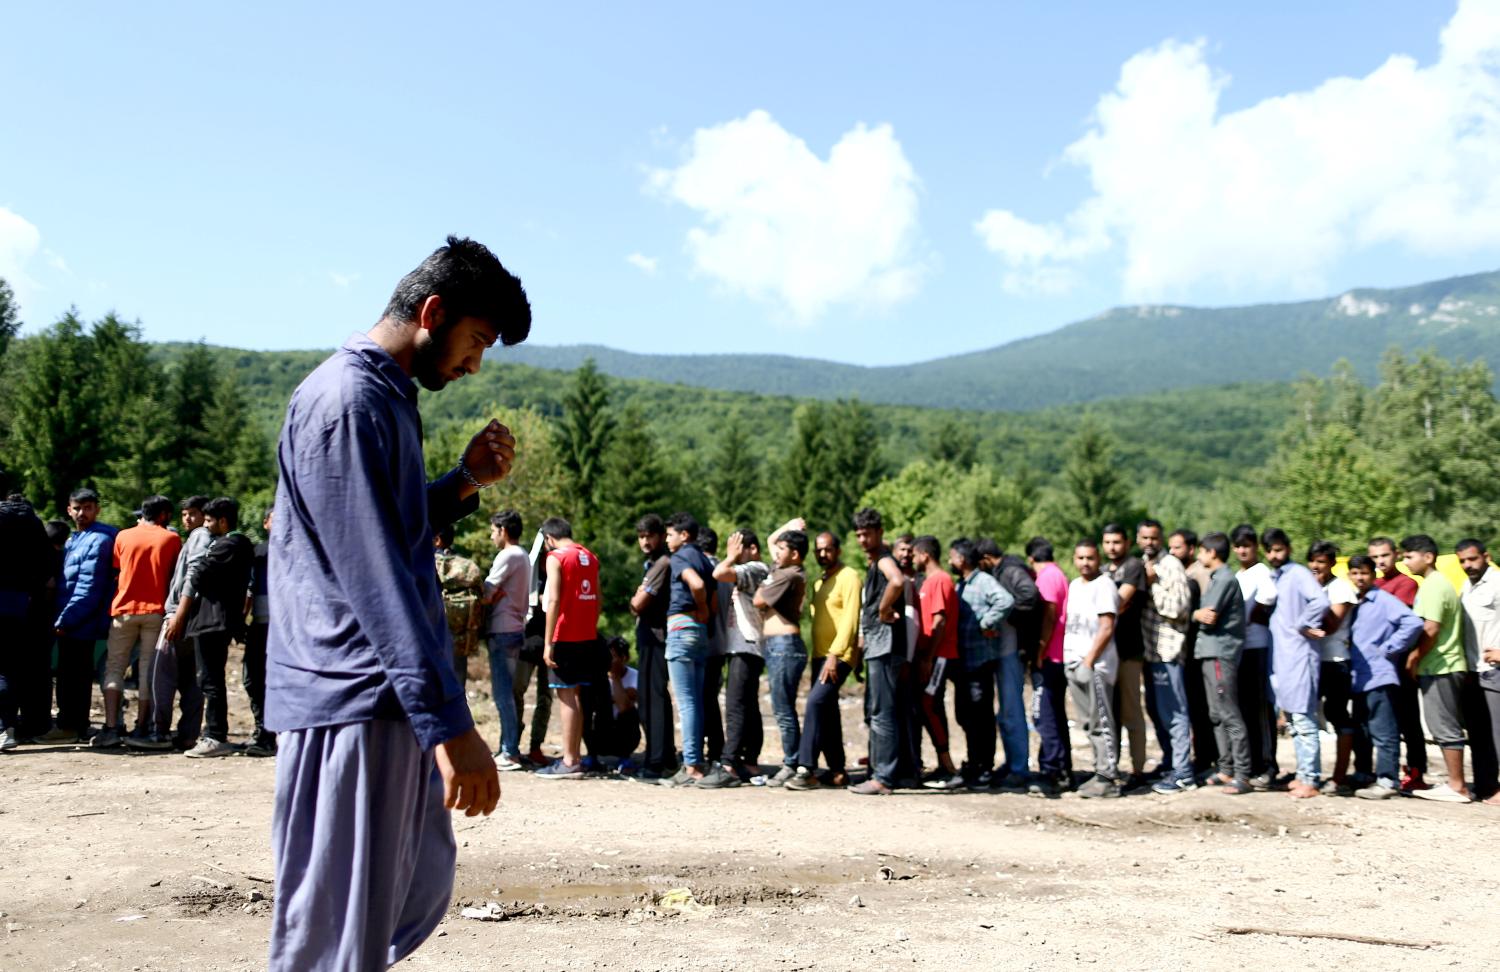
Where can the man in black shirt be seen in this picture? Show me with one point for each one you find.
(1129, 575)
(649, 605)
(882, 633)
(253, 671)
(215, 617)
(25, 604)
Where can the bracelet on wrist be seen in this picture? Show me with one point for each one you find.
(463, 470)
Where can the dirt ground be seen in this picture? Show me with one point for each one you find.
(123, 861)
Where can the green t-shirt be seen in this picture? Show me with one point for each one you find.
(1438, 601)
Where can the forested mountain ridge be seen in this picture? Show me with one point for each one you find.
(1190, 436)
(1122, 352)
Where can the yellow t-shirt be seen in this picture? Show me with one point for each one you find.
(835, 614)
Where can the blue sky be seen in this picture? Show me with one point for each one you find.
(864, 182)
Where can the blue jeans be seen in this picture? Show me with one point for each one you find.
(1375, 713)
(886, 687)
(504, 650)
(687, 661)
(786, 657)
(1174, 727)
(1305, 743)
(1010, 688)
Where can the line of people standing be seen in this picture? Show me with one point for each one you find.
(167, 606)
(1209, 645)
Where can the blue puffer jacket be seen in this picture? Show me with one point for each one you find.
(88, 582)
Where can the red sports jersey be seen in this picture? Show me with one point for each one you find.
(577, 594)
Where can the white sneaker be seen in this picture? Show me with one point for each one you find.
(7, 740)
(209, 747)
(1443, 793)
(507, 764)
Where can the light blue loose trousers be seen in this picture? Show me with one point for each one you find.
(363, 845)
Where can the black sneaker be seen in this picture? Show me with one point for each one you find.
(149, 742)
(1043, 787)
(718, 778)
(1099, 786)
(106, 739)
(648, 776)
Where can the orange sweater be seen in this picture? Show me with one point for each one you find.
(145, 556)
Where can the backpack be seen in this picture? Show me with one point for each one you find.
(1018, 583)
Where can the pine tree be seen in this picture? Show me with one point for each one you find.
(634, 480)
(854, 462)
(1093, 493)
(190, 395)
(953, 444)
(734, 476)
(234, 448)
(136, 427)
(10, 324)
(587, 428)
(799, 486)
(58, 416)
(10, 316)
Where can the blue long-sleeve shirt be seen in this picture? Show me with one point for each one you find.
(88, 582)
(1301, 603)
(358, 630)
(1383, 629)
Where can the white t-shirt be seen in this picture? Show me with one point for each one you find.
(1482, 620)
(1086, 601)
(511, 572)
(1257, 586)
(744, 628)
(628, 681)
(1335, 647)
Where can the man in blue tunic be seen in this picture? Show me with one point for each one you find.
(1296, 623)
(376, 741)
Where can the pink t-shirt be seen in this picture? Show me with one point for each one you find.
(1052, 585)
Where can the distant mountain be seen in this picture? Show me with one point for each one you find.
(1122, 352)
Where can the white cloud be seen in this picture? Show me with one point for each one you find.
(343, 281)
(19, 242)
(1273, 195)
(779, 223)
(641, 262)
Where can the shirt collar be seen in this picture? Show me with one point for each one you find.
(380, 361)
